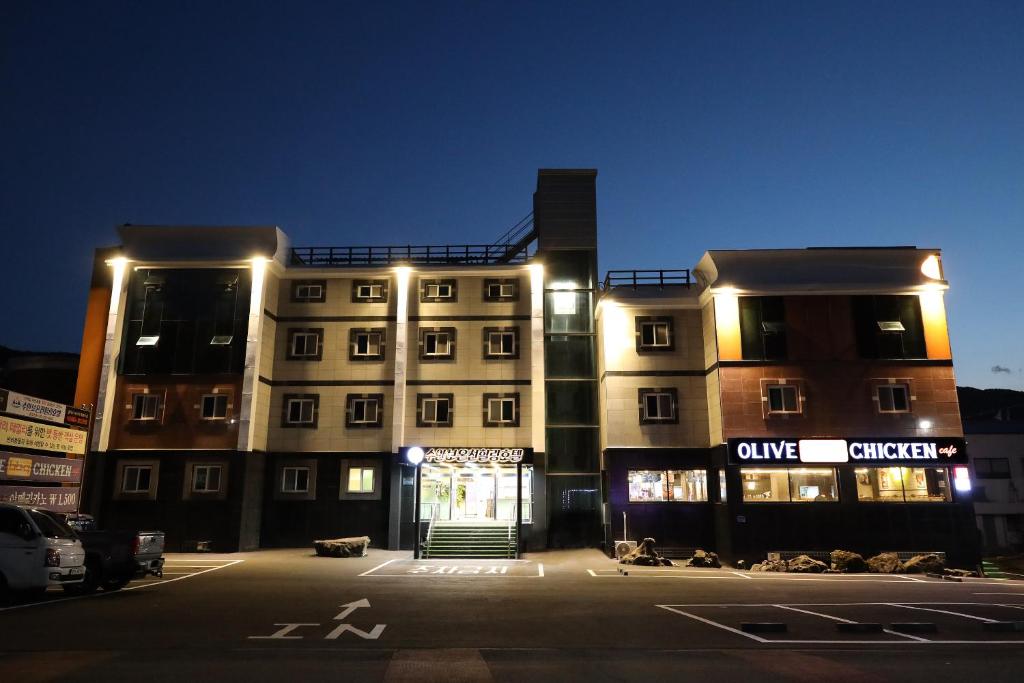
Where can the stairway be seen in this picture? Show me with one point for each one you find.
(462, 539)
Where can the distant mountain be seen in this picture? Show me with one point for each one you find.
(987, 404)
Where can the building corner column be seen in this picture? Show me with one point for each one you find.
(402, 275)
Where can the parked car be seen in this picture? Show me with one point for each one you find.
(36, 551)
(113, 558)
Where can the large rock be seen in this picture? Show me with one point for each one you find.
(804, 564)
(769, 566)
(644, 555)
(846, 561)
(923, 564)
(885, 563)
(703, 559)
(354, 546)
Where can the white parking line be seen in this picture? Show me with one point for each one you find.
(846, 621)
(383, 564)
(942, 611)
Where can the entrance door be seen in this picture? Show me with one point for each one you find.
(474, 495)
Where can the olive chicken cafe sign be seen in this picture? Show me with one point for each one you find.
(857, 451)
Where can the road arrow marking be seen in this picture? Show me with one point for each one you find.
(372, 634)
(351, 607)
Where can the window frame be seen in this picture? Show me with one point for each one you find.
(988, 472)
(286, 401)
(361, 469)
(782, 386)
(137, 468)
(285, 469)
(667, 486)
(451, 283)
(382, 298)
(502, 423)
(789, 485)
(350, 406)
(770, 330)
(644, 393)
(294, 333)
(642, 321)
(449, 357)
(501, 282)
(353, 344)
(296, 285)
(421, 420)
(157, 398)
(512, 355)
(891, 387)
(216, 399)
(208, 467)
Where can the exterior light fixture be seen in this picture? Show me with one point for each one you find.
(931, 268)
(414, 455)
(962, 479)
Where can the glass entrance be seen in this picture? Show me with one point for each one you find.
(474, 493)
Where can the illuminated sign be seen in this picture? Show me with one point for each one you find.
(474, 455)
(40, 437)
(54, 498)
(857, 451)
(13, 403)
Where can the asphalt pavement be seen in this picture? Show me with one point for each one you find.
(559, 616)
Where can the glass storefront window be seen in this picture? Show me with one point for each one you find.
(789, 485)
(813, 485)
(722, 498)
(899, 484)
(474, 493)
(657, 486)
(647, 486)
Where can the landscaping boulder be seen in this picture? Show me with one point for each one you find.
(354, 546)
(804, 564)
(846, 561)
(885, 563)
(962, 573)
(923, 564)
(645, 555)
(769, 566)
(703, 559)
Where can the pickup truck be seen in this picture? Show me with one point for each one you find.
(113, 558)
(37, 552)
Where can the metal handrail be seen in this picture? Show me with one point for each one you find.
(516, 232)
(435, 511)
(429, 254)
(638, 278)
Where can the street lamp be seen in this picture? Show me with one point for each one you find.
(414, 456)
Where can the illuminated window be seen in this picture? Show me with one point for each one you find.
(360, 480)
(893, 398)
(679, 486)
(214, 407)
(206, 478)
(369, 291)
(899, 484)
(146, 407)
(783, 398)
(722, 497)
(789, 485)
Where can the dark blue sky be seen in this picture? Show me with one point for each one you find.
(713, 125)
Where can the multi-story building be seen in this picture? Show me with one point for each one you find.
(249, 393)
(997, 460)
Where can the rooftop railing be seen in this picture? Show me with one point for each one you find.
(647, 278)
(418, 255)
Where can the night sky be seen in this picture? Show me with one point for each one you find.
(712, 125)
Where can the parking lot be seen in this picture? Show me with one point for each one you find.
(569, 615)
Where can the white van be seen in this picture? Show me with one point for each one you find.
(36, 551)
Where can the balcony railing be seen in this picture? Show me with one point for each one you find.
(418, 255)
(647, 278)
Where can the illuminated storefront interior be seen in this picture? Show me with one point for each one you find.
(472, 492)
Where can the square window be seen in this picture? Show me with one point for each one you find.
(654, 334)
(501, 410)
(206, 478)
(435, 411)
(364, 410)
(501, 342)
(360, 479)
(136, 479)
(437, 344)
(783, 398)
(657, 405)
(214, 407)
(146, 407)
(369, 291)
(305, 344)
(438, 291)
(295, 479)
(300, 411)
(893, 398)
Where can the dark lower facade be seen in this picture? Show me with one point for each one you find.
(227, 501)
(692, 498)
